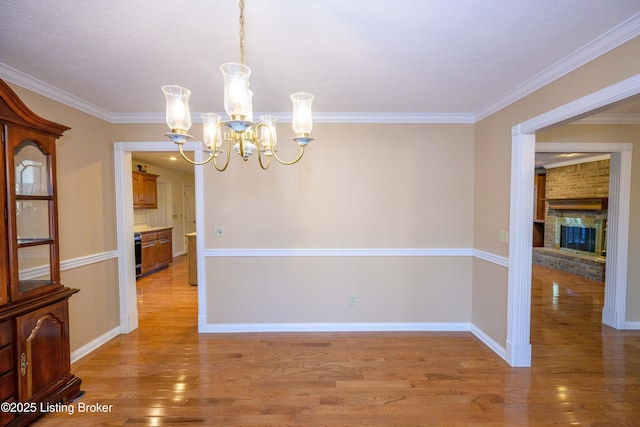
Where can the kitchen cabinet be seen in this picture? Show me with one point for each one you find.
(34, 316)
(145, 190)
(157, 249)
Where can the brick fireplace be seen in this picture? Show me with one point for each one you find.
(576, 206)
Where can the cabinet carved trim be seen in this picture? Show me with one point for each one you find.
(14, 111)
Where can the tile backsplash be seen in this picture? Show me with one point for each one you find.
(148, 217)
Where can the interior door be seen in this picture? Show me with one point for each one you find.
(189, 209)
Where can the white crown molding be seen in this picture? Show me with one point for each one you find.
(146, 118)
(407, 118)
(583, 147)
(618, 35)
(580, 107)
(45, 89)
(610, 119)
(422, 118)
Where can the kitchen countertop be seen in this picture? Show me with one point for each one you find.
(145, 229)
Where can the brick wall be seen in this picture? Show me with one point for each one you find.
(581, 180)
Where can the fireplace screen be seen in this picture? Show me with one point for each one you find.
(581, 234)
(578, 238)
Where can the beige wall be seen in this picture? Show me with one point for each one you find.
(86, 215)
(285, 290)
(493, 170)
(358, 186)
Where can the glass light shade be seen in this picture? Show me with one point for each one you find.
(268, 134)
(237, 96)
(211, 132)
(302, 122)
(178, 114)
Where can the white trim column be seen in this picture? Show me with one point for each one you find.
(614, 310)
(124, 236)
(518, 346)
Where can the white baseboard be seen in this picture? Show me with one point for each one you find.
(632, 326)
(489, 342)
(94, 344)
(333, 327)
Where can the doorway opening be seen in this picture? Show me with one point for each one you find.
(518, 345)
(125, 223)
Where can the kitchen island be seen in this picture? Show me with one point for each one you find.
(192, 258)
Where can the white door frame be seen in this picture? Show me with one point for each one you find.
(523, 146)
(124, 225)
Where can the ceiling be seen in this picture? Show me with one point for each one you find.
(443, 57)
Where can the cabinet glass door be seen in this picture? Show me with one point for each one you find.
(32, 171)
(33, 217)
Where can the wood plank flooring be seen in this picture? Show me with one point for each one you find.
(165, 374)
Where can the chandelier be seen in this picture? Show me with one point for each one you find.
(240, 131)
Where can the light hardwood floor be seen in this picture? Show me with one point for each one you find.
(165, 374)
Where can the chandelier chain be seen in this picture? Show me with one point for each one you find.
(242, 32)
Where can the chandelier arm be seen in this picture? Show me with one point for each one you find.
(271, 146)
(184, 156)
(302, 147)
(226, 163)
(263, 165)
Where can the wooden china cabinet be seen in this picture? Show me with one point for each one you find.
(35, 364)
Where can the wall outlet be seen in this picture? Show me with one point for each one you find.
(503, 236)
(352, 300)
(218, 231)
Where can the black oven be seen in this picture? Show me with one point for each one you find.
(137, 240)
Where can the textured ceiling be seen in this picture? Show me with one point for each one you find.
(369, 57)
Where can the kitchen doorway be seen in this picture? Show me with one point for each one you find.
(125, 224)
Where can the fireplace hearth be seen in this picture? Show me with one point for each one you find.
(578, 246)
